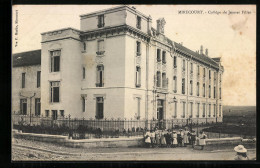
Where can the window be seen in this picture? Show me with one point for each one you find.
(99, 107)
(138, 107)
(191, 110)
(54, 114)
(214, 92)
(138, 22)
(37, 106)
(83, 104)
(158, 55)
(183, 65)
(46, 113)
(23, 80)
(83, 72)
(209, 91)
(191, 67)
(183, 85)
(55, 91)
(23, 106)
(62, 113)
(175, 62)
(214, 110)
(84, 46)
(198, 89)
(198, 109)
(100, 47)
(220, 110)
(100, 76)
(175, 109)
(204, 72)
(204, 90)
(191, 87)
(101, 22)
(138, 48)
(183, 109)
(219, 93)
(55, 61)
(209, 74)
(215, 76)
(158, 76)
(164, 57)
(198, 70)
(164, 80)
(209, 110)
(219, 77)
(175, 84)
(138, 77)
(204, 110)
(38, 79)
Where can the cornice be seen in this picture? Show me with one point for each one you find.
(114, 31)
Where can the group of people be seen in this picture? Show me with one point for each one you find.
(173, 138)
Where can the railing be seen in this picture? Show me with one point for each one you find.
(98, 128)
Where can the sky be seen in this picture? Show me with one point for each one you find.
(231, 36)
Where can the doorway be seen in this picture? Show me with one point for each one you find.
(160, 113)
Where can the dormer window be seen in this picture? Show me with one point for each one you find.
(101, 21)
(138, 22)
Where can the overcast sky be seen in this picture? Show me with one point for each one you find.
(231, 37)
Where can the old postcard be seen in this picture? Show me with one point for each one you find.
(133, 82)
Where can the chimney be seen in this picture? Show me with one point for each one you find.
(181, 43)
(201, 49)
(149, 25)
(206, 52)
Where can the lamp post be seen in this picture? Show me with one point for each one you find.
(30, 105)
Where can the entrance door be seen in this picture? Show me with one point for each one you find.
(160, 113)
(160, 109)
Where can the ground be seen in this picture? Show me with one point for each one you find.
(34, 150)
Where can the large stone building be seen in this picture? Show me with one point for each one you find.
(118, 66)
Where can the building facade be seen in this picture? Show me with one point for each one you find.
(118, 66)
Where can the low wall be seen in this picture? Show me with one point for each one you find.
(233, 140)
(85, 143)
(110, 142)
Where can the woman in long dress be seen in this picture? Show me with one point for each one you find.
(186, 137)
(174, 139)
(157, 138)
(163, 140)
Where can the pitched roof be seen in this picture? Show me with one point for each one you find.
(27, 58)
(200, 57)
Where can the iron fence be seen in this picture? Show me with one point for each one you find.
(80, 128)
